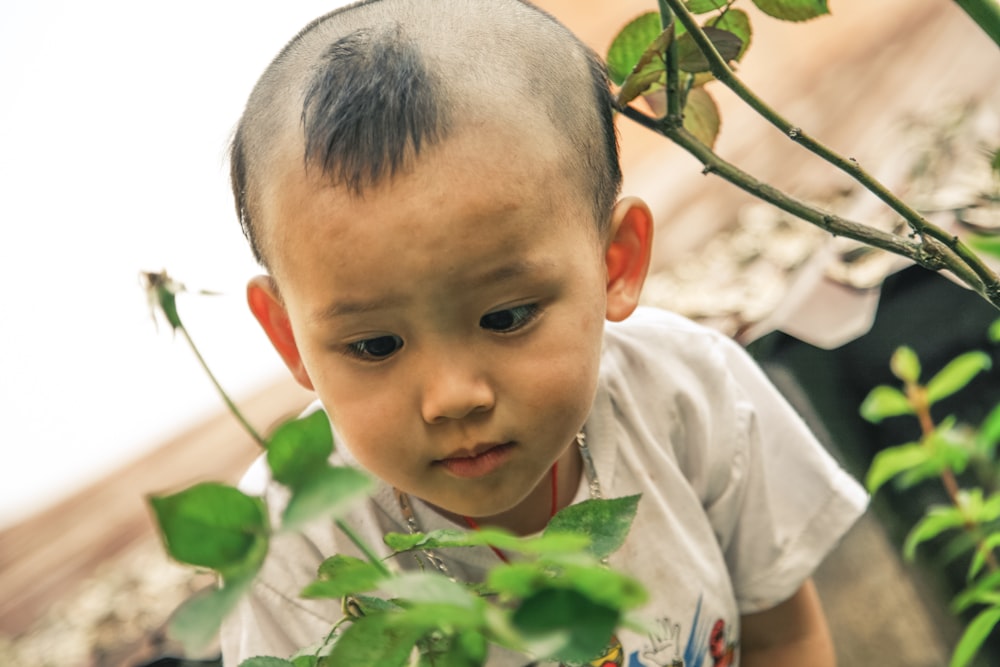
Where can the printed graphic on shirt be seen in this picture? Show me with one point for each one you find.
(708, 644)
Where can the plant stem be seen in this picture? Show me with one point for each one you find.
(986, 13)
(225, 397)
(363, 546)
(986, 282)
(935, 257)
(672, 90)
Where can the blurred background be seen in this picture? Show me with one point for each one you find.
(113, 135)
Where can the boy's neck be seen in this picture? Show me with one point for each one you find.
(533, 513)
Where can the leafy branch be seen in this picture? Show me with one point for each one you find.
(944, 451)
(659, 62)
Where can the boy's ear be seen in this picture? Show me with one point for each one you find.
(629, 245)
(267, 306)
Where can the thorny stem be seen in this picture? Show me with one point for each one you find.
(222, 392)
(932, 256)
(917, 396)
(672, 90)
(968, 267)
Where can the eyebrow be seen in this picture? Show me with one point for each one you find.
(503, 273)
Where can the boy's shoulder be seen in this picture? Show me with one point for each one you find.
(653, 342)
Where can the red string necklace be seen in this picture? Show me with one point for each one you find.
(554, 475)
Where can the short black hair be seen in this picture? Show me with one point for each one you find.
(367, 86)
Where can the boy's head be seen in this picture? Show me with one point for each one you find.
(360, 92)
(432, 186)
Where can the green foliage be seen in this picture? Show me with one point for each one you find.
(631, 44)
(892, 461)
(638, 56)
(637, 61)
(267, 662)
(956, 375)
(606, 522)
(340, 576)
(793, 10)
(214, 526)
(883, 402)
(905, 365)
(945, 451)
(975, 634)
(298, 447)
(704, 6)
(987, 244)
(737, 23)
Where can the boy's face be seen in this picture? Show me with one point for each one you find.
(450, 320)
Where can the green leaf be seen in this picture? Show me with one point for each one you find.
(265, 661)
(400, 542)
(691, 59)
(585, 625)
(975, 634)
(329, 492)
(467, 649)
(956, 375)
(599, 583)
(793, 10)
(215, 526)
(304, 661)
(905, 365)
(988, 244)
(938, 520)
(605, 521)
(431, 588)
(983, 590)
(892, 461)
(300, 447)
(994, 332)
(342, 575)
(195, 624)
(704, 6)
(736, 22)
(884, 401)
(990, 543)
(989, 433)
(630, 44)
(701, 116)
(464, 649)
(375, 640)
(649, 70)
(548, 543)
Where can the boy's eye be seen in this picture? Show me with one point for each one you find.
(379, 347)
(509, 319)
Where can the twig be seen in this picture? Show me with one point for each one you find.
(986, 283)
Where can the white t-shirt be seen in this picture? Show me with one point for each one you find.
(739, 505)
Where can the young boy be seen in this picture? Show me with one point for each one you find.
(431, 186)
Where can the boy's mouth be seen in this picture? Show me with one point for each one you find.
(482, 460)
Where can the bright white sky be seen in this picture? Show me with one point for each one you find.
(114, 122)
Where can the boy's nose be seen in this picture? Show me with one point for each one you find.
(454, 393)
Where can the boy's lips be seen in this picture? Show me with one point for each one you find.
(481, 460)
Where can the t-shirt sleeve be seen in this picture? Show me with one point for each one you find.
(786, 503)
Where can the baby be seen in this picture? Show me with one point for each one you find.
(432, 187)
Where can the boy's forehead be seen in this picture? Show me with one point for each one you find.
(484, 169)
